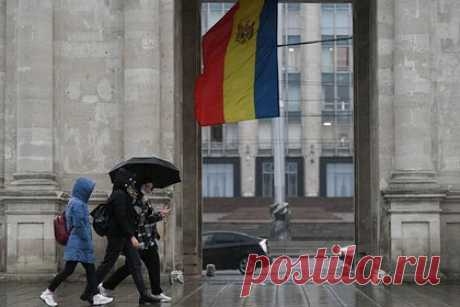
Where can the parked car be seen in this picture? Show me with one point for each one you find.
(229, 250)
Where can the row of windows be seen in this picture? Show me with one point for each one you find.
(221, 177)
(335, 18)
(228, 133)
(336, 90)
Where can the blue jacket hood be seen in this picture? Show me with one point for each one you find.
(83, 188)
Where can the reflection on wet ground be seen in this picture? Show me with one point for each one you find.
(224, 289)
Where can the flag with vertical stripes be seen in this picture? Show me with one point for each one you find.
(240, 75)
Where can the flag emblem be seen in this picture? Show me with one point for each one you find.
(245, 31)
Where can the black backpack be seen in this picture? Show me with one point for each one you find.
(101, 219)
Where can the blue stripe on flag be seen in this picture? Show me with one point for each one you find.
(266, 93)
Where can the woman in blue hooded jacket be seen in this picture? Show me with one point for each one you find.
(79, 247)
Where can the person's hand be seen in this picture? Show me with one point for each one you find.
(134, 242)
(165, 212)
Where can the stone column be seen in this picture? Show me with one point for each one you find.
(311, 97)
(30, 200)
(2, 126)
(168, 80)
(168, 39)
(191, 141)
(413, 90)
(35, 91)
(248, 151)
(413, 197)
(142, 79)
(2, 88)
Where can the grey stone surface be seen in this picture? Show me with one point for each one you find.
(224, 290)
(191, 138)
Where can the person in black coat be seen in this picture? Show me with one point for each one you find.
(147, 235)
(120, 235)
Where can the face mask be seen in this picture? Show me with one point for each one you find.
(132, 192)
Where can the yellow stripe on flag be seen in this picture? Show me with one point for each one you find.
(240, 62)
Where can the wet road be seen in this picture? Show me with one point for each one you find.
(223, 290)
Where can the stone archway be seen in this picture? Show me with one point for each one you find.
(366, 226)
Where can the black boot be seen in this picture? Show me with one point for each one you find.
(148, 299)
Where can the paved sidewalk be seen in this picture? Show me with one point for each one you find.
(223, 291)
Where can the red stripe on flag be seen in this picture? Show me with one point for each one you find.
(209, 100)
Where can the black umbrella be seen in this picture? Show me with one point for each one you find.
(150, 169)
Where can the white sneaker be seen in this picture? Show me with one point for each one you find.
(105, 292)
(163, 297)
(99, 299)
(48, 297)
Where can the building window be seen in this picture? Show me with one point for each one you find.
(292, 39)
(343, 19)
(217, 134)
(328, 85)
(343, 88)
(221, 177)
(343, 58)
(327, 19)
(337, 177)
(327, 55)
(212, 13)
(292, 178)
(291, 54)
(266, 180)
(336, 96)
(293, 7)
(293, 92)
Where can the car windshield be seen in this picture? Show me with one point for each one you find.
(222, 238)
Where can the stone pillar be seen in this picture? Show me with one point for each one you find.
(178, 199)
(141, 114)
(168, 41)
(2, 126)
(248, 152)
(30, 200)
(2, 87)
(413, 197)
(35, 89)
(168, 80)
(191, 140)
(413, 90)
(311, 97)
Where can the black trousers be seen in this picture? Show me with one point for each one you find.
(91, 285)
(116, 246)
(151, 260)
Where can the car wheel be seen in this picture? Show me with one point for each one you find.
(242, 265)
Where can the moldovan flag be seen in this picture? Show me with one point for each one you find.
(240, 77)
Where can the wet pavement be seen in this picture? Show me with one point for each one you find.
(223, 290)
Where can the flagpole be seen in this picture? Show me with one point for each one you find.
(279, 208)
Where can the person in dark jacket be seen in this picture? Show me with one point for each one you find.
(79, 247)
(121, 232)
(147, 235)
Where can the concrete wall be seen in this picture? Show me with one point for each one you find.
(89, 89)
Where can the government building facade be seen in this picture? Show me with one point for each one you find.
(85, 84)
